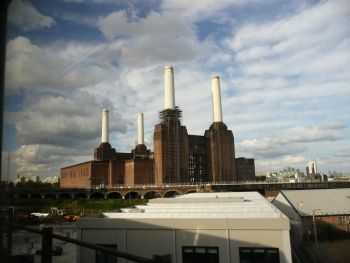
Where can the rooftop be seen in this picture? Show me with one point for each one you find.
(329, 201)
(231, 205)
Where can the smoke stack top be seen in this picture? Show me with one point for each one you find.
(140, 132)
(217, 111)
(169, 100)
(105, 128)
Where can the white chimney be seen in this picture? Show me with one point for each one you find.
(215, 86)
(140, 137)
(105, 132)
(169, 101)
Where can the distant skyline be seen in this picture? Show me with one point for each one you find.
(284, 68)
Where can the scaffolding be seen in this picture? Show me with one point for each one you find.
(170, 115)
(170, 118)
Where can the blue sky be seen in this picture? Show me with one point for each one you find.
(284, 68)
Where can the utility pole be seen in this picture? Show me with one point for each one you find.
(4, 4)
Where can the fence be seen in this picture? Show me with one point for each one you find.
(47, 241)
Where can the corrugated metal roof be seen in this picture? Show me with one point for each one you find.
(329, 201)
(205, 205)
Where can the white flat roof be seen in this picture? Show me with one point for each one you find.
(231, 205)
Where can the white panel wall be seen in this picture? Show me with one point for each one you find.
(148, 242)
(202, 238)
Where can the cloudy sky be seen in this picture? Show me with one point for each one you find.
(284, 68)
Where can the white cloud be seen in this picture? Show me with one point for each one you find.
(158, 38)
(291, 72)
(67, 122)
(319, 21)
(280, 163)
(312, 42)
(44, 160)
(280, 81)
(56, 131)
(292, 141)
(59, 67)
(24, 15)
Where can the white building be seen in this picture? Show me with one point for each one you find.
(35, 178)
(50, 179)
(312, 167)
(198, 227)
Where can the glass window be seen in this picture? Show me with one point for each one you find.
(101, 257)
(258, 255)
(200, 254)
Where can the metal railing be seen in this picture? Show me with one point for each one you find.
(47, 247)
(201, 184)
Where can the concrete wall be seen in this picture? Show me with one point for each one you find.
(149, 239)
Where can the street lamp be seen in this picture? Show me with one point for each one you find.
(315, 212)
(300, 203)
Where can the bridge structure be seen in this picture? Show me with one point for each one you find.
(268, 189)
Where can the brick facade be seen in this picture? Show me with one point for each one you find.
(245, 169)
(171, 153)
(198, 158)
(139, 171)
(221, 153)
(84, 175)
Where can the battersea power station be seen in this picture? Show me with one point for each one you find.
(178, 157)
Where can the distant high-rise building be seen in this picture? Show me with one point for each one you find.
(312, 168)
(35, 178)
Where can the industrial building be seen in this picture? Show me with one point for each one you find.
(319, 213)
(245, 169)
(178, 157)
(197, 227)
(110, 167)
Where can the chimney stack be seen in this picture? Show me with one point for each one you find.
(105, 131)
(140, 136)
(217, 112)
(169, 102)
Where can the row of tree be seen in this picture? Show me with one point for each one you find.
(28, 185)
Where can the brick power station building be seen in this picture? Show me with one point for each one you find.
(178, 157)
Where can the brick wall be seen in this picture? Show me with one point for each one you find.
(221, 153)
(76, 176)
